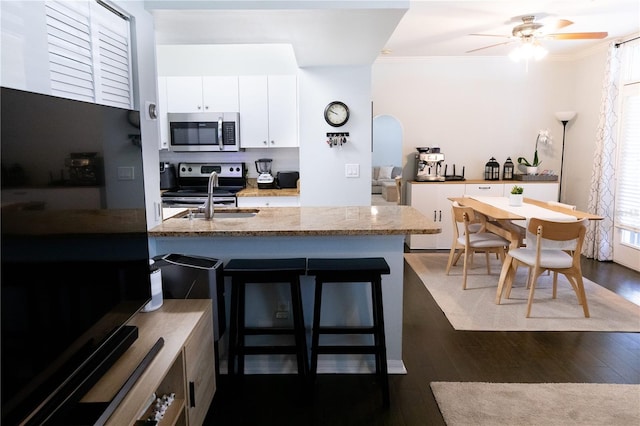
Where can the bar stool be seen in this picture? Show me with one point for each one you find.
(355, 270)
(265, 271)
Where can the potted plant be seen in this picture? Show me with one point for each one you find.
(515, 198)
(532, 167)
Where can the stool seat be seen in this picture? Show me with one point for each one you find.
(351, 270)
(260, 272)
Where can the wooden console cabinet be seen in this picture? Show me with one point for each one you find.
(184, 365)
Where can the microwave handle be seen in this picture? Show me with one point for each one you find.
(220, 142)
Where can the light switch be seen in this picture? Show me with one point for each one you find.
(352, 170)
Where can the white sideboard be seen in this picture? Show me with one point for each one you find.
(431, 199)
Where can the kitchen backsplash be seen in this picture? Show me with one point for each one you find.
(284, 159)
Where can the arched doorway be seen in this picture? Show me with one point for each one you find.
(387, 150)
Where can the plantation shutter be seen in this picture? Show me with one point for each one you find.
(627, 209)
(89, 52)
(628, 188)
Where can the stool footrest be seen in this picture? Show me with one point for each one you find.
(347, 330)
(345, 349)
(269, 350)
(257, 331)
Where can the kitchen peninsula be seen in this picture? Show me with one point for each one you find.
(359, 231)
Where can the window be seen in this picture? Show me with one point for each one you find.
(627, 216)
(89, 52)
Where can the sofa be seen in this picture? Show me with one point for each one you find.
(381, 175)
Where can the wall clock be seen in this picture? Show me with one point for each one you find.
(336, 113)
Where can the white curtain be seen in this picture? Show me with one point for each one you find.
(599, 239)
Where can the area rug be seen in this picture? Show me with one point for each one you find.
(548, 404)
(475, 308)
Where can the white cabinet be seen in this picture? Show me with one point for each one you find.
(487, 189)
(547, 191)
(282, 201)
(202, 94)
(431, 199)
(268, 111)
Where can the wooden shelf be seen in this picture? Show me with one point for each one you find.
(185, 325)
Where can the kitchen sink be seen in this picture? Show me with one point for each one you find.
(224, 214)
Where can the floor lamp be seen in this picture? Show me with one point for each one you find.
(564, 117)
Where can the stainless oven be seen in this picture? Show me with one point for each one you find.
(204, 131)
(193, 178)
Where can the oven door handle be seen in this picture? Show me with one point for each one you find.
(220, 141)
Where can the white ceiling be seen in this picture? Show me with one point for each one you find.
(354, 32)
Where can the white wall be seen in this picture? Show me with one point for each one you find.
(580, 143)
(146, 91)
(322, 169)
(476, 108)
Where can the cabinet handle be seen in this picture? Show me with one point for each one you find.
(434, 216)
(264, 142)
(192, 394)
(484, 187)
(199, 107)
(440, 219)
(273, 142)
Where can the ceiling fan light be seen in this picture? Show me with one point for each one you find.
(528, 51)
(539, 52)
(515, 55)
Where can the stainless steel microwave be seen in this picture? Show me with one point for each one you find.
(204, 131)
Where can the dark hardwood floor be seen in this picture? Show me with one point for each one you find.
(434, 351)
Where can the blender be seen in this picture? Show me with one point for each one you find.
(265, 178)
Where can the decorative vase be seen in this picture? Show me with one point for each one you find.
(515, 200)
(531, 170)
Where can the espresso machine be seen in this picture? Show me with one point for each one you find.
(429, 164)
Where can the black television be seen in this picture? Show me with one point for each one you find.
(74, 251)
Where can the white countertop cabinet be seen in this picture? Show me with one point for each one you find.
(536, 190)
(282, 201)
(431, 199)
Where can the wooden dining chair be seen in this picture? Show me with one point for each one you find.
(467, 241)
(556, 248)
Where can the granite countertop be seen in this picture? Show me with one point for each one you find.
(252, 191)
(303, 221)
(274, 192)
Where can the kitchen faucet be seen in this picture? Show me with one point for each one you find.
(208, 207)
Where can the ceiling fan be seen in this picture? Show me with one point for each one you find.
(530, 31)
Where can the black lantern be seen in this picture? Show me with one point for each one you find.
(507, 169)
(492, 170)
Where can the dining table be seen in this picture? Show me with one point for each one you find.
(510, 221)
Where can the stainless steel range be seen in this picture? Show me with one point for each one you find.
(192, 180)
